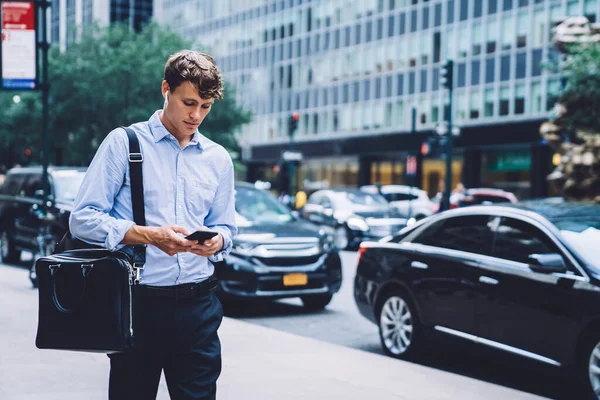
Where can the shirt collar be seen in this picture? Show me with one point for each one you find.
(159, 131)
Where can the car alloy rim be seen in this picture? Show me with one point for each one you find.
(341, 238)
(594, 370)
(396, 325)
(4, 244)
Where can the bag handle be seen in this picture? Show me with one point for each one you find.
(137, 195)
(85, 270)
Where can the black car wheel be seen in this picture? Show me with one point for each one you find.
(399, 329)
(591, 367)
(341, 238)
(316, 302)
(8, 251)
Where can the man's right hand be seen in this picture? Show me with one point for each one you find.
(166, 238)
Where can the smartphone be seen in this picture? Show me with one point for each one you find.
(201, 236)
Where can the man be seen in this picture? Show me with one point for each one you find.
(188, 186)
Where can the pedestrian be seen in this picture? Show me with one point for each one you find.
(188, 186)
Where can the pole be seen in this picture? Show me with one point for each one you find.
(447, 185)
(291, 172)
(45, 86)
(413, 130)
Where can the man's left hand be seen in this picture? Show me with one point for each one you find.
(208, 247)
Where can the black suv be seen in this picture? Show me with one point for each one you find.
(21, 199)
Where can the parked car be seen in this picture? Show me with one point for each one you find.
(277, 255)
(353, 214)
(409, 201)
(22, 197)
(523, 278)
(476, 196)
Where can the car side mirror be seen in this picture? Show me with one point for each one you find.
(548, 263)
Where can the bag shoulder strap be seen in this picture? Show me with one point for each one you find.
(137, 193)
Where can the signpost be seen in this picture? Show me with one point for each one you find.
(19, 47)
(24, 35)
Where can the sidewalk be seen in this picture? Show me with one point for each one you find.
(259, 363)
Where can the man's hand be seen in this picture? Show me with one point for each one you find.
(208, 247)
(166, 238)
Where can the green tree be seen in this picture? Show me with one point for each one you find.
(109, 78)
(581, 97)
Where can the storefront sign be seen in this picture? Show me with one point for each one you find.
(18, 68)
(508, 161)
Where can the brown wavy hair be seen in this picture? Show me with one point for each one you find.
(197, 68)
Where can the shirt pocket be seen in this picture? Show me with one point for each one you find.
(200, 196)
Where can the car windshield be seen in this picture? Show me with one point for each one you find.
(256, 207)
(66, 184)
(583, 235)
(353, 199)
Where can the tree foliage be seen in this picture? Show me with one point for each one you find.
(110, 77)
(581, 97)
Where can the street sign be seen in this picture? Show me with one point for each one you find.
(19, 67)
(292, 156)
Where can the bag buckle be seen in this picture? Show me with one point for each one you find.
(136, 157)
(53, 268)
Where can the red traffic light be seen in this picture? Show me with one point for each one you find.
(296, 116)
(27, 152)
(425, 148)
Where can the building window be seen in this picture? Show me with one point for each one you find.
(505, 68)
(450, 12)
(478, 8)
(508, 4)
(536, 97)
(503, 108)
(492, 6)
(462, 75)
(476, 35)
(521, 65)
(388, 86)
(424, 81)
(411, 82)
(400, 85)
(492, 36)
(508, 31)
(474, 105)
(390, 26)
(435, 79)
(475, 73)
(489, 70)
(520, 99)
(522, 28)
(402, 23)
(488, 107)
(425, 18)
(464, 10)
(437, 15)
(413, 21)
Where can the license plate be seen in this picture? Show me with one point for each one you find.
(295, 279)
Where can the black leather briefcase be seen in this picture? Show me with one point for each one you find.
(85, 301)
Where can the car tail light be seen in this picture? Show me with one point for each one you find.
(361, 251)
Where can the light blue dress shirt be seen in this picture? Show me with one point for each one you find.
(190, 187)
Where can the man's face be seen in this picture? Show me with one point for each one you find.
(184, 109)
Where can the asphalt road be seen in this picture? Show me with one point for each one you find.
(341, 323)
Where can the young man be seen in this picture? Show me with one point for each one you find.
(188, 186)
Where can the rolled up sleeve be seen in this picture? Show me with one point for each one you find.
(221, 217)
(91, 219)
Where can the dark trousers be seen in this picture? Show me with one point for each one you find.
(178, 336)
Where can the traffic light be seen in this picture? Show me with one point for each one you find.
(293, 123)
(446, 73)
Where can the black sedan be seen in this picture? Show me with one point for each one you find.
(277, 255)
(354, 215)
(524, 279)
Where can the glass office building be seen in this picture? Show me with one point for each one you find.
(67, 15)
(364, 76)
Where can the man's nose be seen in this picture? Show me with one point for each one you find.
(196, 113)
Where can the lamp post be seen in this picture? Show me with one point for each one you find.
(443, 130)
(293, 126)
